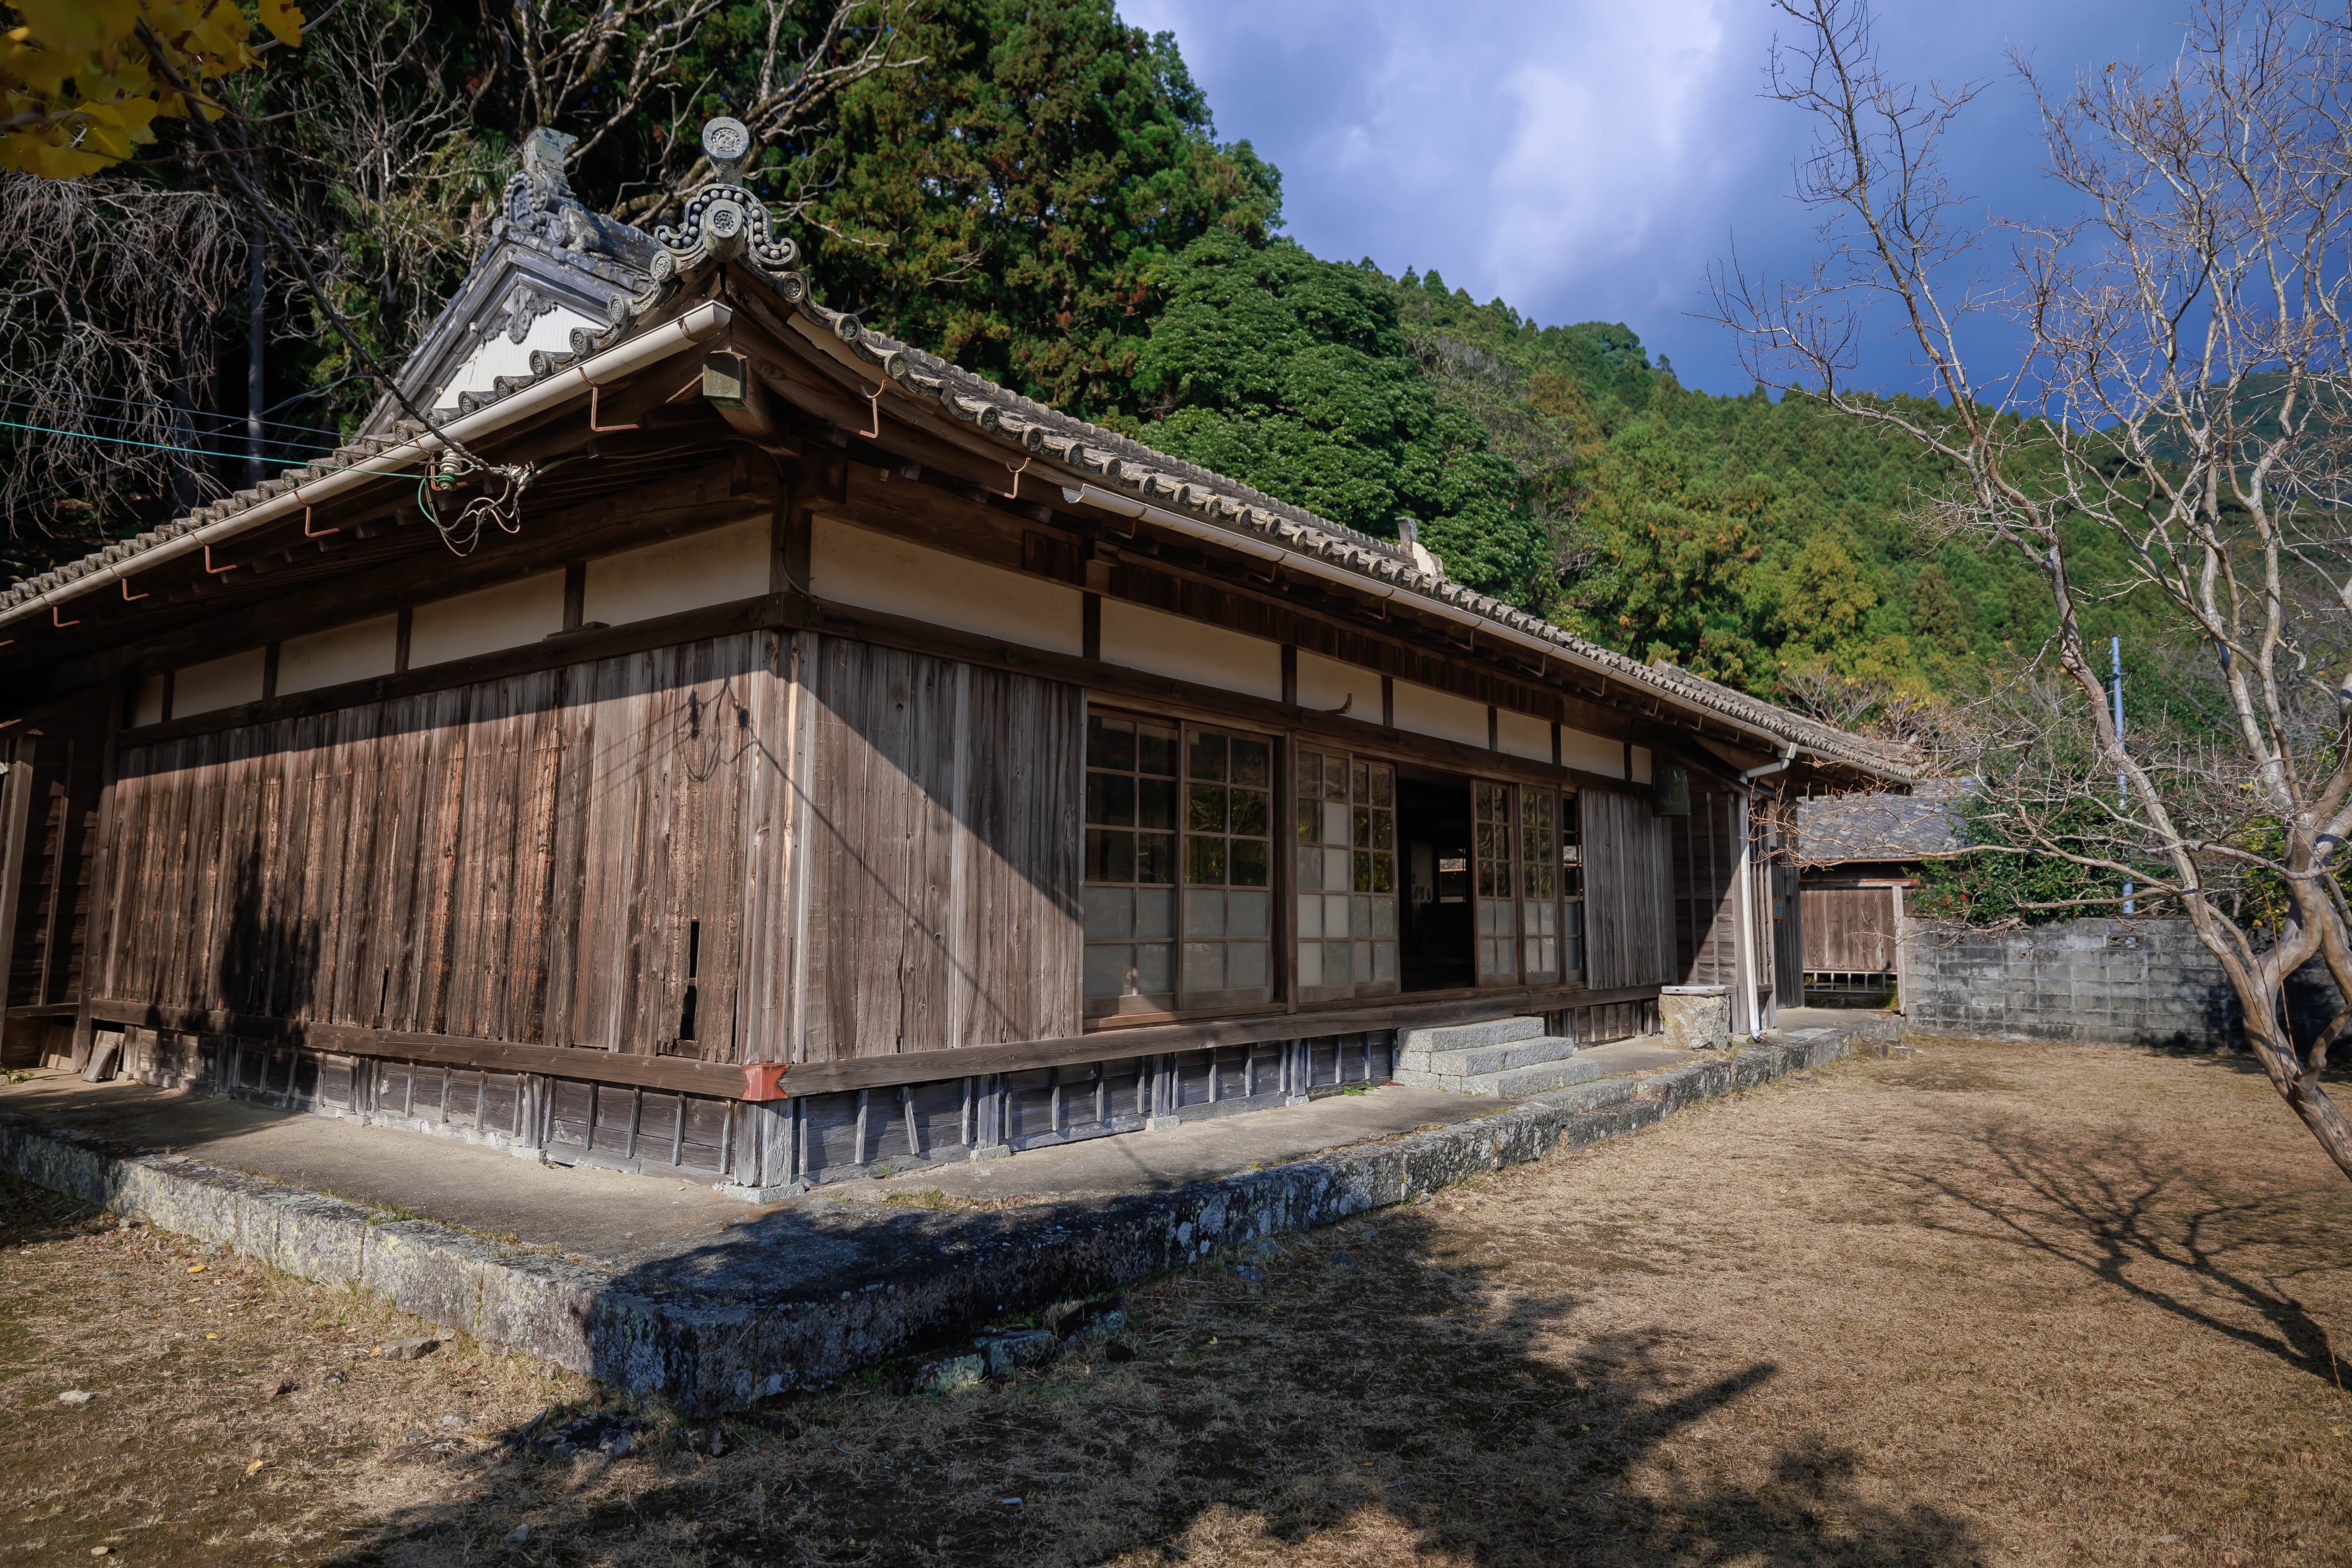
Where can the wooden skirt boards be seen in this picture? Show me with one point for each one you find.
(810, 1139)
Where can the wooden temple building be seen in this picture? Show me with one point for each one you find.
(827, 759)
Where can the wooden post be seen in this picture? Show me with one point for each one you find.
(97, 926)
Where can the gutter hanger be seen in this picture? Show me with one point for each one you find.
(699, 325)
(1126, 506)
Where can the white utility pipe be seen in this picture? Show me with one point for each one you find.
(1126, 506)
(1748, 891)
(699, 325)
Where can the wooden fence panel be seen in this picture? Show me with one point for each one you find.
(1849, 930)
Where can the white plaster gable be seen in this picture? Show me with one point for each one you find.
(497, 352)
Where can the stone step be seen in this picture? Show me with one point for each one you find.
(1456, 1036)
(1469, 1061)
(1514, 1084)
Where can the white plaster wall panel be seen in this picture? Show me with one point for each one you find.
(1593, 753)
(508, 615)
(1642, 765)
(498, 355)
(346, 653)
(218, 683)
(147, 702)
(1327, 683)
(1522, 736)
(708, 568)
(1189, 650)
(852, 565)
(1425, 710)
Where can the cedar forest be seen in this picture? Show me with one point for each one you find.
(1042, 197)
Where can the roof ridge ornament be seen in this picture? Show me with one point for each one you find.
(724, 221)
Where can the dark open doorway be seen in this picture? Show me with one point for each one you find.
(1438, 950)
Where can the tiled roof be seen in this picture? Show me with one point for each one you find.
(1118, 462)
(1920, 825)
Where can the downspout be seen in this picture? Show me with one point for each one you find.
(1747, 889)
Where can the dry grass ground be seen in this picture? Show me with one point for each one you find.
(1990, 1304)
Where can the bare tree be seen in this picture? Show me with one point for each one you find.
(591, 69)
(106, 359)
(2180, 394)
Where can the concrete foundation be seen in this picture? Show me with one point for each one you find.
(801, 1295)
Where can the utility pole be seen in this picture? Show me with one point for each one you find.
(255, 334)
(2116, 662)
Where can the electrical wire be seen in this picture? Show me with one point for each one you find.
(128, 441)
(190, 413)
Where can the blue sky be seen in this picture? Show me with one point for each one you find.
(1586, 159)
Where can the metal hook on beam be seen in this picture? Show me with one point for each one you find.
(1014, 494)
(595, 393)
(215, 570)
(307, 532)
(128, 597)
(59, 621)
(874, 402)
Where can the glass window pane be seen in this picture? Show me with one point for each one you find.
(1335, 965)
(1204, 913)
(1253, 764)
(1207, 811)
(1109, 971)
(1383, 831)
(1207, 761)
(1311, 963)
(1245, 915)
(1246, 965)
(1155, 750)
(1335, 914)
(1155, 969)
(1155, 804)
(1248, 807)
(1110, 742)
(1310, 774)
(1311, 821)
(1155, 860)
(1359, 917)
(1205, 861)
(1110, 914)
(1382, 787)
(1384, 873)
(1110, 799)
(1363, 774)
(1310, 867)
(1335, 876)
(1248, 867)
(1363, 880)
(1384, 917)
(1310, 914)
(1155, 912)
(1335, 823)
(1110, 856)
(1204, 966)
(1384, 961)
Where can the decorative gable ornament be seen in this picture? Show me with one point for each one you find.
(725, 222)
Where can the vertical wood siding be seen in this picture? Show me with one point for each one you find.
(942, 846)
(1628, 888)
(1850, 928)
(1705, 868)
(532, 858)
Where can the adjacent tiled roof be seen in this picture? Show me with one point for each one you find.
(1920, 825)
(1118, 462)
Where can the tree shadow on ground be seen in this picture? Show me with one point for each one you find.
(2155, 1235)
(1369, 1396)
(30, 1214)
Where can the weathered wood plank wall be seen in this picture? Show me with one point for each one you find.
(943, 849)
(556, 858)
(1705, 868)
(1629, 908)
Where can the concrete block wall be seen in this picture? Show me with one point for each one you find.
(2119, 982)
